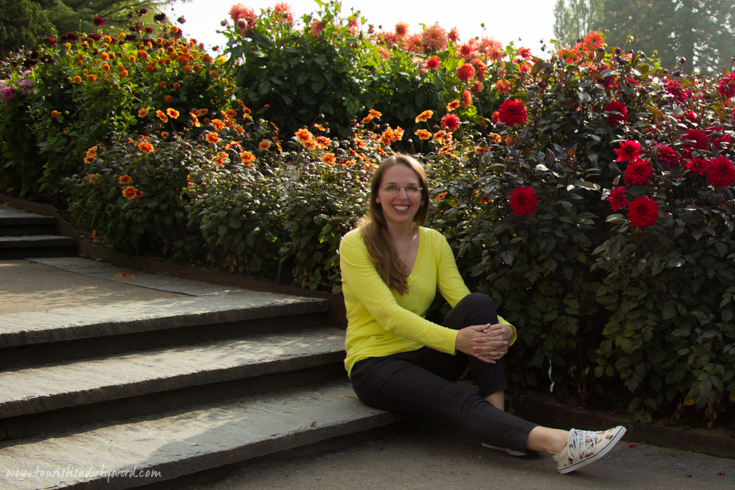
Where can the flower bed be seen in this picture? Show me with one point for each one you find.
(590, 195)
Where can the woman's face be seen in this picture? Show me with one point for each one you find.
(399, 195)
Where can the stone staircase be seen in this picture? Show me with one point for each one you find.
(24, 235)
(127, 395)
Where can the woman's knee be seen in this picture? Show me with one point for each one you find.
(473, 309)
(479, 301)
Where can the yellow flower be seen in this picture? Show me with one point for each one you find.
(145, 147)
(125, 179)
(77, 79)
(424, 116)
(142, 112)
(91, 78)
(168, 98)
(423, 134)
(264, 145)
(212, 138)
(54, 113)
(172, 113)
(162, 116)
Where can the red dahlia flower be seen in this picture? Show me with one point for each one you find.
(491, 48)
(720, 172)
(453, 35)
(433, 63)
(674, 89)
(466, 98)
(523, 201)
(98, 21)
(282, 12)
(727, 86)
(465, 72)
(401, 30)
(466, 51)
(434, 38)
(450, 122)
(638, 172)
(668, 157)
(593, 40)
(628, 151)
(697, 165)
(512, 112)
(643, 212)
(696, 138)
(617, 199)
(612, 108)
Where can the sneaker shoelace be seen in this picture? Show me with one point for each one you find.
(582, 441)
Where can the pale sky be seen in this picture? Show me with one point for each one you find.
(506, 21)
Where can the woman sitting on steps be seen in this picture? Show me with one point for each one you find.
(397, 360)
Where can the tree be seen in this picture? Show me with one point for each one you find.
(27, 22)
(572, 22)
(22, 23)
(700, 31)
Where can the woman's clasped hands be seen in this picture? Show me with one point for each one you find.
(486, 342)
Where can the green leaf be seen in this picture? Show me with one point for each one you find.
(668, 312)
(680, 332)
(613, 248)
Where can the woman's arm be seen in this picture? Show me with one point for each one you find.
(453, 289)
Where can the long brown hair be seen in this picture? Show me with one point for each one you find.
(374, 230)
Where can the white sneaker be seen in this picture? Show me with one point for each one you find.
(509, 451)
(584, 447)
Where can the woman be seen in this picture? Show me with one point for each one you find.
(399, 361)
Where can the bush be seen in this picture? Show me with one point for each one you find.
(84, 90)
(131, 194)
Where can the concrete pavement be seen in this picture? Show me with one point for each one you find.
(433, 458)
(445, 458)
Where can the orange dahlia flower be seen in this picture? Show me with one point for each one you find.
(247, 158)
(424, 116)
(130, 192)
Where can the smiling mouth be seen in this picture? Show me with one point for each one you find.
(401, 208)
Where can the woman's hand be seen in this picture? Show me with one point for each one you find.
(485, 342)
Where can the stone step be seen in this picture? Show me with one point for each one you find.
(176, 444)
(15, 222)
(140, 381)
(31, 246)
(37, 337)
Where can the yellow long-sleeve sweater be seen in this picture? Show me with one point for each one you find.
(381, 322)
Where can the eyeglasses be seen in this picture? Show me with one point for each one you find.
(411, 190)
